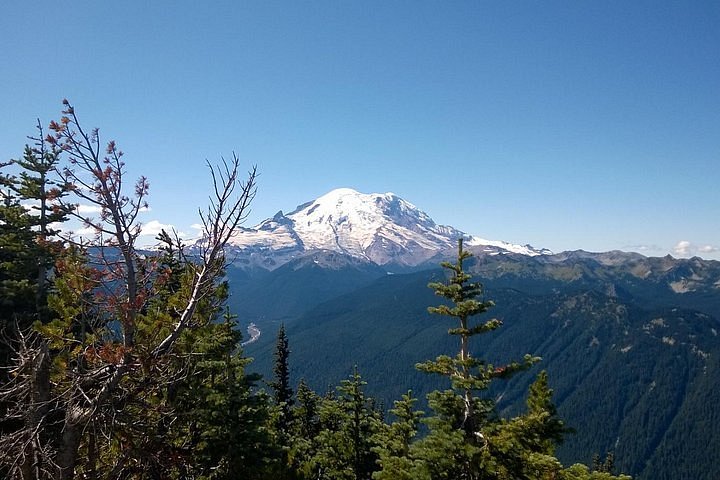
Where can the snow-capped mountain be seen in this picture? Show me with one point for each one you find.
(382, 228)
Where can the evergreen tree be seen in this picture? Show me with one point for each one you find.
(467, 374)
(394, 440)
(606, 466)
(103, 369)
(524, 446)
(343, 448)
(38, 185)
(305, 417)
(29, 206)
(282, 392)
(548, 429)
(18, 268)
(581, 472)
(363, 423)
(305, 428)
(466, 439)
(283, 403)
(224, 422)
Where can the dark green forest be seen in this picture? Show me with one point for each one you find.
(124, 364)
(631, 363)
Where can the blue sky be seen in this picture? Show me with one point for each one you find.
(566, 125)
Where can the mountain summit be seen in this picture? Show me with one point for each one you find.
(380, 227)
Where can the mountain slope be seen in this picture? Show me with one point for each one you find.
(267, 298)
(633, 361)
(381, 228)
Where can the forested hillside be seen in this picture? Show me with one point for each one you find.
(631, 361)
(119, 363)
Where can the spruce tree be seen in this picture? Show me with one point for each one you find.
(466, 438)
(467, 374)
(38, 185)
(548, 428)
(305, 428)
(283, 403)
(458, 445)
(344, 446)
(394, 440)
(223, 422)
(363, 423)
(306, 412)
(18, 266)
(282, 391)
(29, 206)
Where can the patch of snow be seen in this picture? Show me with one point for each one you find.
(510, 247)
(381, 227)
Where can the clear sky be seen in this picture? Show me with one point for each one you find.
(566, 125)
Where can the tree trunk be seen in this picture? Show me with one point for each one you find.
(67, 457)
(467, 424)
(38, 408)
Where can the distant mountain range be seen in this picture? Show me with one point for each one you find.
(381, 228)
(631, 343)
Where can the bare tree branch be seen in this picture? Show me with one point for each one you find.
(105, 366)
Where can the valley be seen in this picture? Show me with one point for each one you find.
(632, 357)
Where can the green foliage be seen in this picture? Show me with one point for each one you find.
(18, 270)
(394, 440)
(305, 428)
(344, 428)
(466, 439)
(282, 392)
(224, 423)
(115, 382)
(467, 374)
(581, 472)
(545, 429)
(29, 206)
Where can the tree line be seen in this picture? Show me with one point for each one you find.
(119, 364)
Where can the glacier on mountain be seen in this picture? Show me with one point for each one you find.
(379, 227)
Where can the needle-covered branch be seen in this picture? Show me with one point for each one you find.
(467, 374)
(119, 315)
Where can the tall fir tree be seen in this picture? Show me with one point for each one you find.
(394, 442)
(39, 185)
(18, 267)
(282, 391)
(466, 373)
(30, 204)
(462, 441)
(282, 395)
